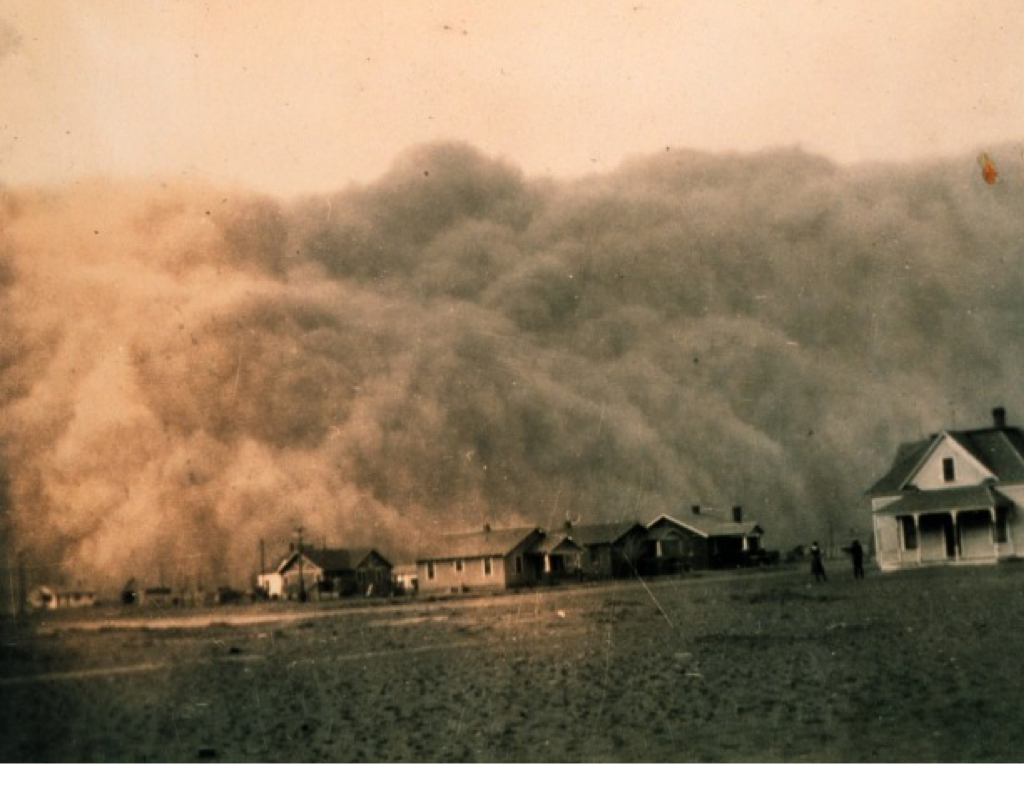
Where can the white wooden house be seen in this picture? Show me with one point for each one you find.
(955, 497)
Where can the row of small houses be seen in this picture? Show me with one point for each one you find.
(954, 497)
(508, 558)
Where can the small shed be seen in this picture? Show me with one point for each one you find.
(406, 579)
(270, 585)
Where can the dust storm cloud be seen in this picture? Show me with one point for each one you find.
(10, 40)
(185, 369)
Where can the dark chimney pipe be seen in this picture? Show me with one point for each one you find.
(737, 514)
(999, 417)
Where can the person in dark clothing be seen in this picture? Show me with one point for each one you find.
(857, 553)
(817, 566)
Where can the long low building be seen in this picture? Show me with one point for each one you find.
(484, 559)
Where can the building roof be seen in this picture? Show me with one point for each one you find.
(484, 542)
(999, 449)
(331, 559)
(711, 525)
(949, 499)
(908, 456)
(595, 534)
(557, 545)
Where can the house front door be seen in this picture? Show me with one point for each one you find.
(951, 539)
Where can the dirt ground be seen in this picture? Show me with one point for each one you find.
(753, 667)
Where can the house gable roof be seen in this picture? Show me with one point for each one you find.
(596, 534)
(998, 452)
(332, 560)
(928, 473)
(709, 525)
(556, 545)
(908, 458)
(483, 543)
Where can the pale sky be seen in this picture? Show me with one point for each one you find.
(290, 97)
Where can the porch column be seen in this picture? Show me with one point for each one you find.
(547, 563)
(956, 534)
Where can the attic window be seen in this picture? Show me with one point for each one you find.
(430, 570)
(458, 565)
(487, 567)
(948, 470)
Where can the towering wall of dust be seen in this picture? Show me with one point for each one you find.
(184, 370)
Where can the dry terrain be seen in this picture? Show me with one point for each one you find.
(768, 667)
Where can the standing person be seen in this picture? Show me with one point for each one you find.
(817, 566)
(857, 552)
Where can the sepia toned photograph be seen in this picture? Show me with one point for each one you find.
(511, 383)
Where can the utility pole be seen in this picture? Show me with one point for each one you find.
(10, 581)
(302, 579)
(22, 595)
(261, 585)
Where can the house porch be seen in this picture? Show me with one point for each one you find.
(951, 536)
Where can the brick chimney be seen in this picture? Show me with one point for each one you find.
(999, 417)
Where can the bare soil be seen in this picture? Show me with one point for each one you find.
(753, 667)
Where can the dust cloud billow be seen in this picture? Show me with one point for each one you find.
(185, 370)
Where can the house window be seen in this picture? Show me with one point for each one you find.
(519, 565)
(430, 570)
(487, 567)
(458, 565)
(595, 555)
(948, 470)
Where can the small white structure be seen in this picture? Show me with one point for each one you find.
(45, 598)
(406, 578)
(271, 584)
